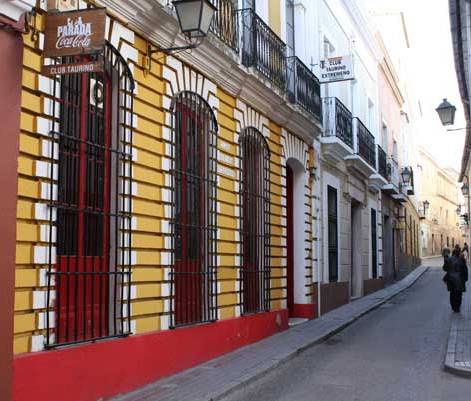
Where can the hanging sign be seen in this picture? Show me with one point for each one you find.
(74, 33)
(335, 69)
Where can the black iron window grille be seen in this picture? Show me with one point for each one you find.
(91, 274)
(255, 225)
(193, 280)
(382, 163)
(332, 213)
(374, 245)
(337, 120)
(262, 48)
(225, 23)
(303, 87)
(366, 144)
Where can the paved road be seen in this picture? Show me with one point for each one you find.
(395, 353)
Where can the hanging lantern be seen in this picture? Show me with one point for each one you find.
(426, 206)
(194, 17)
(406, 175)
(446, 111)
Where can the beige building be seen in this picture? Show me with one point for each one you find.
(440, 221)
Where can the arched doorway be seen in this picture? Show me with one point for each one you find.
(296, 282)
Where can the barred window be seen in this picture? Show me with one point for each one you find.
(193, 275)
(92, 209)
(374, 244)
(255, 203)
(332, 233)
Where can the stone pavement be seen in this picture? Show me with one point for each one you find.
(217, 378)
(458, 357)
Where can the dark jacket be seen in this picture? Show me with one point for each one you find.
(456, 273)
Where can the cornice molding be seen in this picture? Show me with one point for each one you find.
(14, 9)
(218, 62)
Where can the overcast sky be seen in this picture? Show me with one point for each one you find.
(434, 72)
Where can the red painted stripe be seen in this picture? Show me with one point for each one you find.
(89, 372)
(305, 311)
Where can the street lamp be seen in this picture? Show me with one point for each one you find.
(194, 18)
(465, 187)
(426, 206)
(446, 111)
(423, 210)
(406, 175)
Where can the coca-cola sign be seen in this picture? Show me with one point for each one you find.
(75, 32)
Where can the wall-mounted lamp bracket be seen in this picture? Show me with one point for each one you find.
(165, 50)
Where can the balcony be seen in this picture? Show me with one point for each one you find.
(303, 87)
(392, 187)
(410, 188)
(225, 23)
(262, 49)
(382, 164)
(364, 159)
(337, 136)
(379, 179)
(401, 197)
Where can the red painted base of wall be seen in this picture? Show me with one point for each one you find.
(305, 311)
(106, 368)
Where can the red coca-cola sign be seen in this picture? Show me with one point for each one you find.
(75, 32)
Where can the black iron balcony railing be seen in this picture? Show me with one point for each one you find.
(337, 120)
(303, 87)
(225, 23)
(262, 48)
(366, 144)
(382, 163)
(393, 172)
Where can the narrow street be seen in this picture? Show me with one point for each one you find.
(394, 353)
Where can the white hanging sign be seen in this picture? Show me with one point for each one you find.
(334, 69)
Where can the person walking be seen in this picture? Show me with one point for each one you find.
(456, 276)
(466, 252)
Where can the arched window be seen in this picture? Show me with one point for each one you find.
(90, 203)
(255, 203)
(194, 161)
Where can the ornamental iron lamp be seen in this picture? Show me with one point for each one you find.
(406, 175)
(194, 17)
(446, 111)
(465, 188)
(426, 206)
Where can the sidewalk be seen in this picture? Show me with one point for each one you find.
(217, 378)
(458, 356)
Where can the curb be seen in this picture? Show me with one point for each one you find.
(224, 393)
(450, 358)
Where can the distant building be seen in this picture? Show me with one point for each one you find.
(440, 222)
